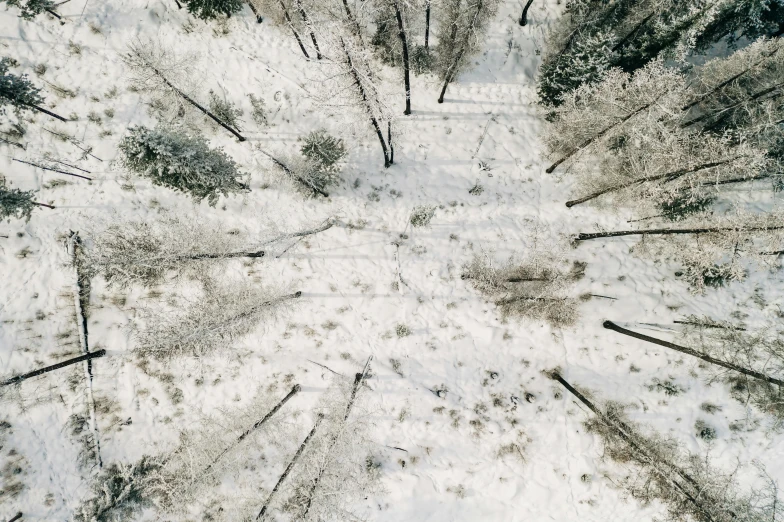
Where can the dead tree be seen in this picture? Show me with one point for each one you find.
(86, 357)
(288, 469)
(290, 23)
(427, 25)
(585, 236)
(301, 177)
(308, 25)
(694, 353)
(148, 63)
(44, 167)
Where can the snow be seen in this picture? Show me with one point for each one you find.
(346, 275)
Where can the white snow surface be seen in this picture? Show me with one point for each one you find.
(346, 276)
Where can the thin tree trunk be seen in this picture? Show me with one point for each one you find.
(757, 95)
(16, 517)
(42, 204)
(260, 253)
(604, 131)
(358, 379)
(510, 300)
(727, 82)
(706, 325)
(48, 113)
(69, 165)
(357, 28)
(310, 28)
(53, 170)
(633, 32)
(54, 14)
(179, 5)
(694, 353)
(622, 430)
(427, 25)
(195, 104)
(290, 466)
(735, 180)
(391, 145)
(294, 390)
(368, 108)
(259, 17)
(524, 16)
(15, 144)
(669, 176)
(300, 179)
(293, 30)
(447, 76)
(47, 369)
(667, 231)
(406, 67)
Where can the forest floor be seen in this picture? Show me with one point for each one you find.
(484, 135)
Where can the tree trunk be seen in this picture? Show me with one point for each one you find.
(195, 104)
(604, 131)
(258, 424)
(15, 144)
(707, 325)
(623, 431)
(353, 20)
(358, 379)
(632, 32)
(391, 146)
(667, 231)
(259, 17)
(42, 204)
(300, 179)
(179, 5)
(16, 517)
(669, 176)
(406, 66)
(452, 37)
(368, 108)
(47, 369)
(48, 113)
(51, 169)
(290, 466)
(427, 25)
(688, 351)
(524, 16)
(293, 30)
(310, 28)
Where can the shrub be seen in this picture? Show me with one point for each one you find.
(421, 215)
(324, 149)
(208, 9)
(422, 60)
(225, 110)
(259, 113)
(174, 159)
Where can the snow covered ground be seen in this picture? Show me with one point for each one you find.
(451, 469)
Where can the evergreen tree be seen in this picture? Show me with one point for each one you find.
(15, 203)
(29, 9)
(16, 91)
(174, 159)
(208, 9)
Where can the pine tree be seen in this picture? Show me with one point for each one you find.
(209, 9)
(17, 91)
(17, 204)
(174, 159)
(29, 9)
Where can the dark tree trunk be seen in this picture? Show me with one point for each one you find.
(16, 517)
(179, 5)
(427, 25)
(391, 145)
(524, 16)
(406, 66)
(42, 204)
(51, 169)
(452, 37)
(667, 231)
(604, 131)
(626, 434)
(694, 353)
(48, 113)
(287, 170)
(353, 20)
(256, 13)
(293, 30)
(258, 423)
(47, 369)
(310, 28)
(668, 176)
(707, 325)
(290, 466)
(368, 108)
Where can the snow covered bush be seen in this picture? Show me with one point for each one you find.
(208, 323)
(15, 203)
(208, 9)
(175, 159)
(539, 287)
(324, 149)
(225, 110)
(421, 215)
(29, 9)
(16, 91)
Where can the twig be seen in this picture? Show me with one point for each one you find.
(325, 367)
